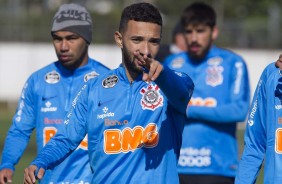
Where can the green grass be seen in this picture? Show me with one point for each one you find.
(30, 152)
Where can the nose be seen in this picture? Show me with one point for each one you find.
(64, 45)
(145, 50)
(193, 36)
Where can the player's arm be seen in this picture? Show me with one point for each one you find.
(178, 87)
(65, 140)
(19, 133)
(255, 137)
(233, 111)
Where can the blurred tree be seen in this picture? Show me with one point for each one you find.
(242, 23)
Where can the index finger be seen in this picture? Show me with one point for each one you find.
(148, 59)
(139, 56)
(144, 59)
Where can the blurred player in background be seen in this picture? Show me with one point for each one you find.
(48, 94)
(209, 153)
(263, 136)
(178, 44)
(134, 115)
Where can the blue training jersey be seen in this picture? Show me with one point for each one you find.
(134, 128)
(46, 98)
(263, 136)
(220, 100)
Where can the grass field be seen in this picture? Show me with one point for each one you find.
(30, 152)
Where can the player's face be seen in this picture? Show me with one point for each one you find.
(71, 49)
(139, 36)
(199, 39)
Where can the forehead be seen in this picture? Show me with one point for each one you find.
(135, 28)
(197, 26)
(64, 33)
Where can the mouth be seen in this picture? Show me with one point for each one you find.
(138, 63)
(65, 58)
(194, 48)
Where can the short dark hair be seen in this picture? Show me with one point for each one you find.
(198, 13)
(140, 12)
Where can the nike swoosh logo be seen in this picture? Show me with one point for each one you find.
(47, 97)
(102, 103)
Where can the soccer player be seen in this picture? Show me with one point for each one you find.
(133, 115)
(263, 135)
(221, 99)
(47, 95)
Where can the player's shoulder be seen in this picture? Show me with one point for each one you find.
(176, 55)
(228, 54)
(177, 58)
(270, 73)
(228, 51)
(271, 69)
(109, 75)
(48, 70)
(98, 65)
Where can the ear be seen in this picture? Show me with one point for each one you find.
(118, 39)
(215, 32)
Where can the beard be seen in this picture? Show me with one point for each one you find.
(201, 55)
(129, 63)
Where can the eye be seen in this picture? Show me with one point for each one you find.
(155, 41)
(201, 30)
(56, 38)
(136, 40)
(188, 31)
(72, 37)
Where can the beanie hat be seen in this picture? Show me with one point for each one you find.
(74, 18)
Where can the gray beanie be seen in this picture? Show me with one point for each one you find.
(74, 18)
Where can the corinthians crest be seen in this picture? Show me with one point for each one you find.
(214, 72)
(214, 75)
(152, 98)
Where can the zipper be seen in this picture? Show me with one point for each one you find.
(69, 93)
(130, 101)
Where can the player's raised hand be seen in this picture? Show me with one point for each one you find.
(278, 63)
(30, 174)
(152, 68)
(6, 176)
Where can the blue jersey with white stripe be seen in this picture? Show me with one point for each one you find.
(44, 102)
(263, 136)
(134, 128)
(219, 101)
